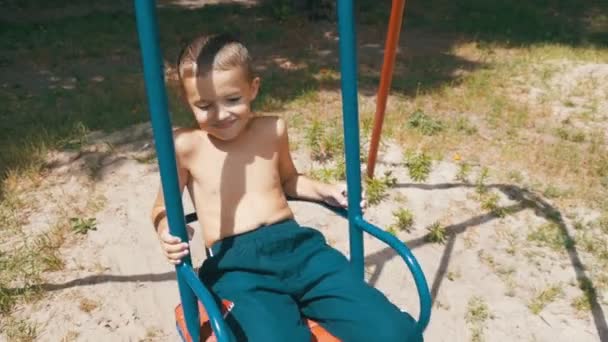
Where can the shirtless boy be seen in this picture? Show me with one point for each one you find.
(238, 170)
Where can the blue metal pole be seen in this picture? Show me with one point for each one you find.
(145, 11)
(348, 70)
(419, 279)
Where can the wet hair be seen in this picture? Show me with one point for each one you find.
(216, 52)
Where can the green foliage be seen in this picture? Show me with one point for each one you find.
(404, 219)
(425, 124)
(437, 233)
(82, 226)
(550, 235)
(464, 169)
(324, 143)
(543, 298)
(418, 165)
(376, 188)
(464, 125)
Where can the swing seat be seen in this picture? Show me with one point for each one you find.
(318, 333)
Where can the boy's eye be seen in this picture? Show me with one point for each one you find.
(234, 99)
(204, 106)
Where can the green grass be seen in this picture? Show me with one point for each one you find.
(437, 233)
(424, 123)
(419, 165)
(550, 235)
(376, 189)
(477, 314)
(403, 220)
(544, 297)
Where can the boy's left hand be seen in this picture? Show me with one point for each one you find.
(337, 196)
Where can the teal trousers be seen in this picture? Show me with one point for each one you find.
(277, 275)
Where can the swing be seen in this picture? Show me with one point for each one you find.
(198, 316)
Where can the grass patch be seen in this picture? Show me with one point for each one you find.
(477, 314)
(323, 142)
(376, 188)
(418, 165)
(81, 225)
(19, 330)
(550, 235)
(424, 124)
(544, 297)
(404, 220)
(437, 233)
(330, 174)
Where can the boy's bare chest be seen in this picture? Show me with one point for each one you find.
(240, 169)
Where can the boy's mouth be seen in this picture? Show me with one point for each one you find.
(224, 123)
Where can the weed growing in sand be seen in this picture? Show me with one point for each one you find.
(489, 202)
(330, 174)
(376, 188)
(544, 297)
(404, 220)
(583, 302)
(464, 169)
(83, 225)
(19, 330)
(464, 125)
(418, 165)
(424, 124)
(571, 134)
(477, 314)
(323, 143)
(437, 233)
(480, 183)
(550, 235)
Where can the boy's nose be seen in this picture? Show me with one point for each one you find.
(223, 114)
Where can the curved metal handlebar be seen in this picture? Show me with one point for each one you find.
(401, 248)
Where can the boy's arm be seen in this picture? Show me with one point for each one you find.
(297, 185)
(182, 150)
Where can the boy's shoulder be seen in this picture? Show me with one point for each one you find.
(186, 140)
(272, 125)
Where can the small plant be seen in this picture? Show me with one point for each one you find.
(323, 144)
(424, 123)
(82, 226)
(464, 169)
(477, 310)
(552, 191)
(543, 298)
(515, 176)
(376, 188)
(404, 220)
(489, 202)
(464, 125)
(477, 314)
(437, 233)
(419, 165)
(583, 302)
(480, 184)
(330, 174)
(550, 235)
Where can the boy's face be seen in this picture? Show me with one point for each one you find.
(220, 101)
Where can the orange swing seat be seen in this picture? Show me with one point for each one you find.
(318, 333)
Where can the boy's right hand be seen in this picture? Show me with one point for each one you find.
(173, 248)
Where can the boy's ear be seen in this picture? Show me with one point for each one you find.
(255, 87)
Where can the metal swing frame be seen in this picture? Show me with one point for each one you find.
(190, 287)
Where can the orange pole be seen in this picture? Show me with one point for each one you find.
(390, 52)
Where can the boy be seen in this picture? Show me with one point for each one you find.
(238, 169)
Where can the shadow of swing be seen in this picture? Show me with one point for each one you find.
(526, 200)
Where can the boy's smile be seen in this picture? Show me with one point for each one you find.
(221, 101)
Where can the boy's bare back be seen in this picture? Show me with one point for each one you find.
(236, 185)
